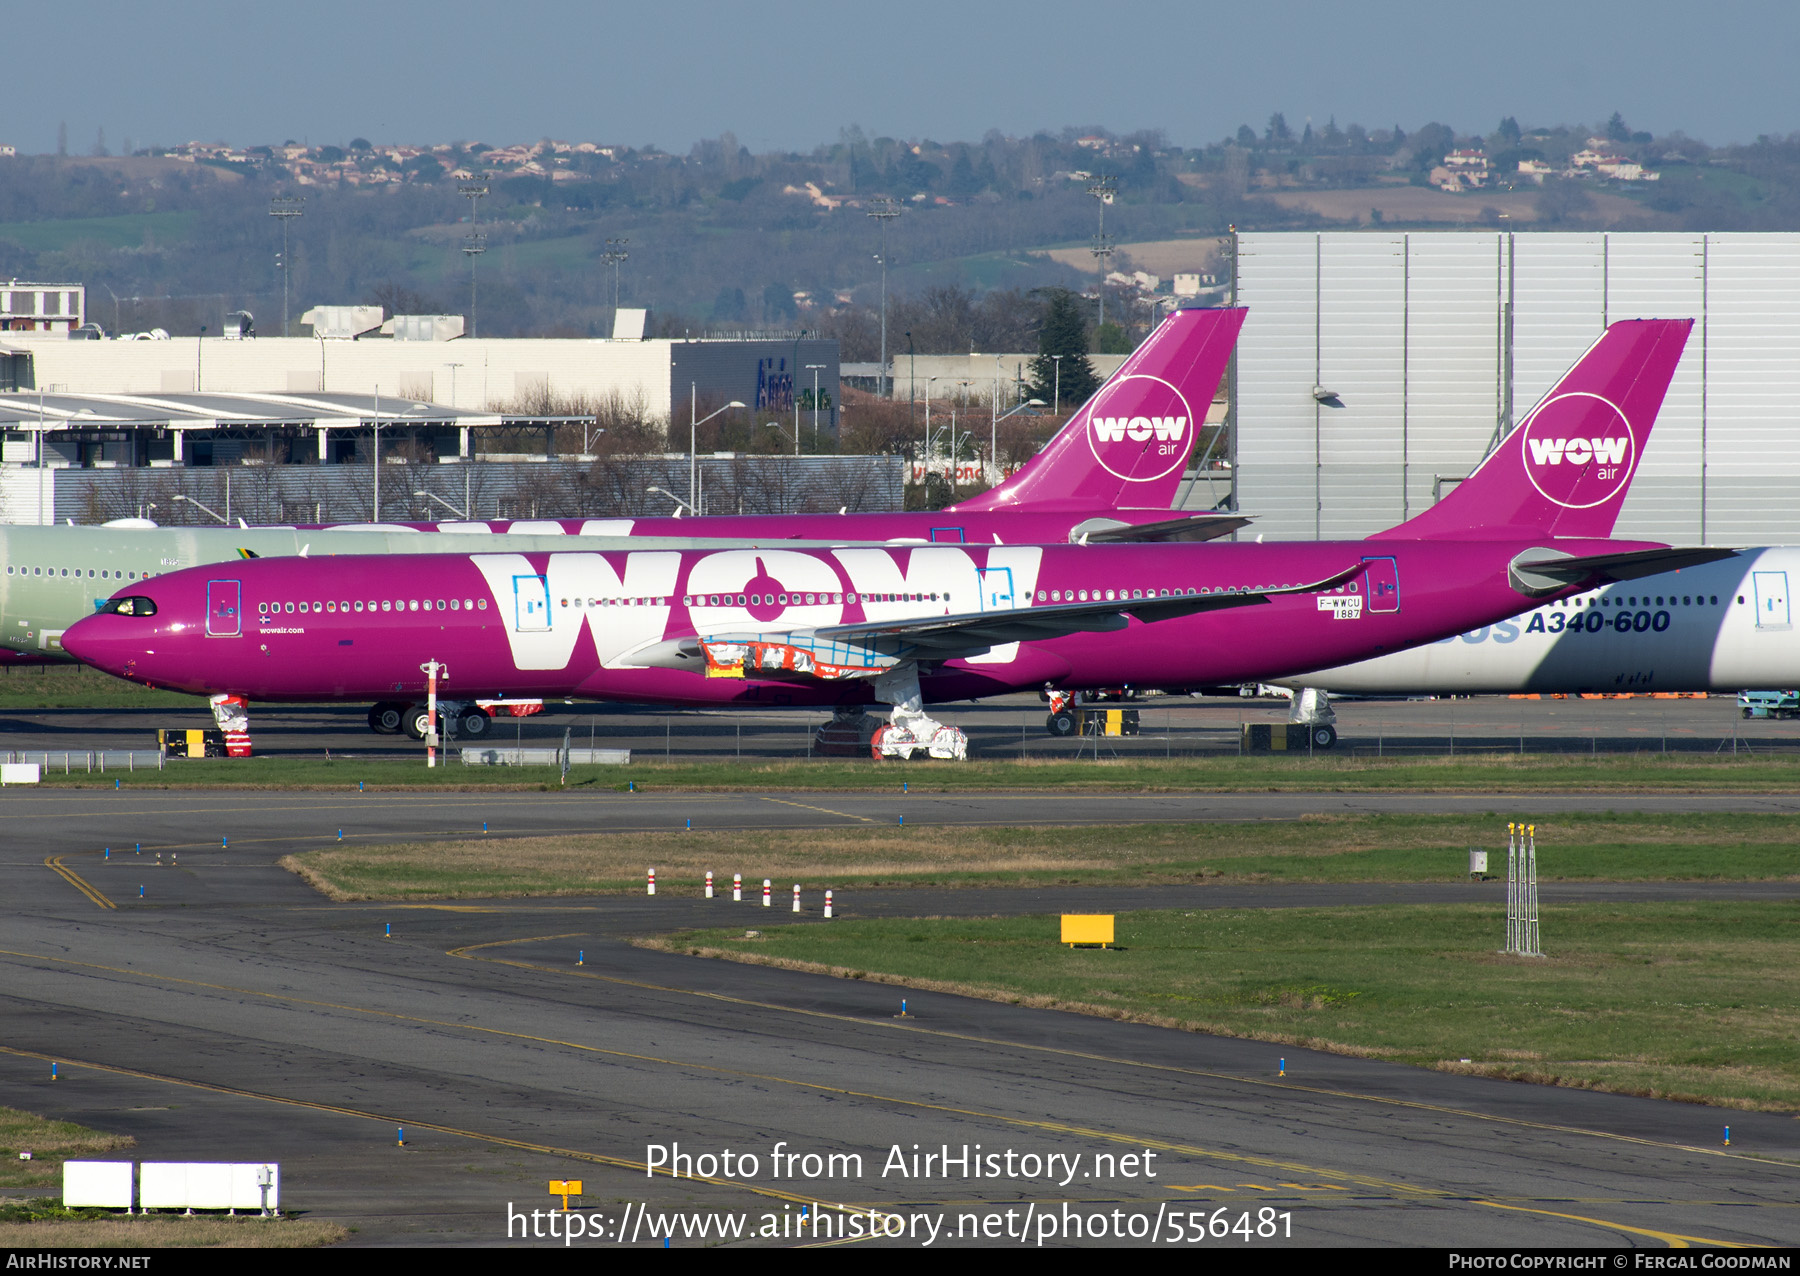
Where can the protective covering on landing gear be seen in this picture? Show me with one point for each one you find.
(908, 730)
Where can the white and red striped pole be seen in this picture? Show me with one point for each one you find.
(652, 881)
(796, 897)
(765, 892)
(709, 883)
(737, 888)
(827, 905)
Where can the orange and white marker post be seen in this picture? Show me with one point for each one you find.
(765, 892)
(432, 669)
(827, 905)
(737, 888)
(709, 883)
(796, 897)
(652, 889)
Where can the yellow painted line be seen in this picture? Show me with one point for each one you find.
(595, 1158)
(824, 810)
(913, 1026)
(1674, 1240)
(1054, 1127)
(55, 865)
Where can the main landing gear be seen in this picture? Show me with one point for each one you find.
(459, 717)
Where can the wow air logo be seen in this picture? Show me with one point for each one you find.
(1140, 428)
(1579, 450)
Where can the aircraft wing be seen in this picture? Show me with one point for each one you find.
(868, 648)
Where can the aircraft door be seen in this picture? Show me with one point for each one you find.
(531, 604)
(997, 589)
(224, 608)
(1771, 600)
(1382, 583)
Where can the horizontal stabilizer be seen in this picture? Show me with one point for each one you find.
(1544, 571)
(1194, 527)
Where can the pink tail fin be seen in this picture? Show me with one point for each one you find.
(1127, 447)
(1565, 470)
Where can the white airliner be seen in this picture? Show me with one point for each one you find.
(1722, 626)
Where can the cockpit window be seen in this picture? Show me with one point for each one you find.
(128, 607)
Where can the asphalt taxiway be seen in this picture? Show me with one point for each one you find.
(423, 1083)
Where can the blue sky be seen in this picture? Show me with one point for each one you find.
(790, 75)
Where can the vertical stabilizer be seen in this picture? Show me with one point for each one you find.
(1128, 446)
(1567, 467)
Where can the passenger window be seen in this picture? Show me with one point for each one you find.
(482, 604)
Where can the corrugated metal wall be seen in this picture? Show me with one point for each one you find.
(1437, 343)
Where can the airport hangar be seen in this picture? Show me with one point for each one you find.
(1378, 368)
(82, 421)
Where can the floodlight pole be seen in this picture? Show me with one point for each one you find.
(474, 243)
(1103, 189)
(614, 254)
(284, 208)
(883, 210)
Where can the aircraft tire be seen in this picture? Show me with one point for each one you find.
(418, 721)
(474, 723)
(1060, 724)
(1324, 736)
(387, 718)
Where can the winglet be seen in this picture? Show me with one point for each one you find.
(1127, 448)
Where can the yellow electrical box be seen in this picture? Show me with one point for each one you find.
(1087, 928)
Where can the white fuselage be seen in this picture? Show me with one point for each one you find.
(1723, 626)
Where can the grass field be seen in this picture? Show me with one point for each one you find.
(41, 1222)
(78, 687)
(50, 1144)
(1383, 848)
(1465, 773)
(1690, 1001)
(127, 230)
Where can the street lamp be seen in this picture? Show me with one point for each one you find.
(1056, 360)
(925, 457)
(815, 368)
(994, 445)
(776, 425)
(680, 504)
(446, 504)
(215, 513)
(694, 438)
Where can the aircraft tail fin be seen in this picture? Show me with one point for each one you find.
(1128, 446)
(1565, 470)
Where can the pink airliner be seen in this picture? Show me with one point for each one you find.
(904, 626)
(1110, 474)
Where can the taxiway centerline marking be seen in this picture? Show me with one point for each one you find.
(55, 865)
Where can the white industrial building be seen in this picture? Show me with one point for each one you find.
(1377, 369)
(506, 375)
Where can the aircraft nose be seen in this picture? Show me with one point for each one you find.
(89, 641)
